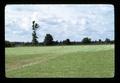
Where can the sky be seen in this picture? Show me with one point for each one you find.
(62, 21)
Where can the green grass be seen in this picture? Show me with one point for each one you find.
(85, 61)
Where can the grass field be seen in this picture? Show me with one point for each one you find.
(83, 61)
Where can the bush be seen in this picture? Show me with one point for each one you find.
(9, 44)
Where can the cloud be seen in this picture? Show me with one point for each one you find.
(62, 21)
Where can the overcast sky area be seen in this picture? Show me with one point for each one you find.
(61, 21)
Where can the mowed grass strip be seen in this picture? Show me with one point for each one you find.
(85, 61)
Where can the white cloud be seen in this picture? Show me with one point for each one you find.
(63, 21)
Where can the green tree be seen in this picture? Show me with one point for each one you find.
(100, 41)
(107, 40)
(86, 40)
(67, 42)
(48, 39)
(35, 26)
(9, 44)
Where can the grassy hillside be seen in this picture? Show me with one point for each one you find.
(60, 61)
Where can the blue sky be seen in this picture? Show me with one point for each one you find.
(62, 21)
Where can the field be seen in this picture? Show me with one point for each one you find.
(83, 61)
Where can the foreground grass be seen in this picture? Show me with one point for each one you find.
(60, 61)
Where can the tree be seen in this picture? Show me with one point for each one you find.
(100, 41)
(55, 42)
(48, 39)
(86, 40)
(9, 44)
(35, 26)
(67, 42)
(112, 41)
(107, 40)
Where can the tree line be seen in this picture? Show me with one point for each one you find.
(49, 41)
